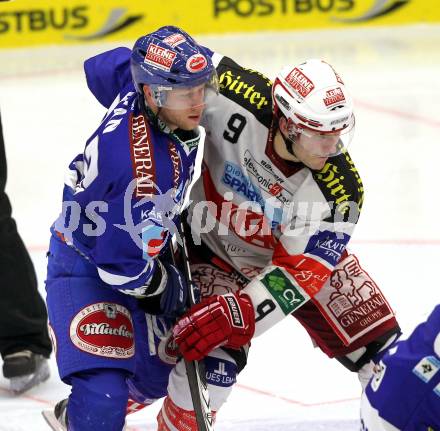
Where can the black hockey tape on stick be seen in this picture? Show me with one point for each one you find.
(195, 370)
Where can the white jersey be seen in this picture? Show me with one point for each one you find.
(278, 223)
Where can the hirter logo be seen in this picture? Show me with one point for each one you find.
(103, 329)
(196, 63)
(159, 57)
(300, 83)
(332, 97)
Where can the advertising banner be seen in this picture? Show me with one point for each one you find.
(34, 22)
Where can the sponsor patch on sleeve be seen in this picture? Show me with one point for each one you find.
(327, 245)
(427, 368)
(220, 372)
(352, 302)
(288, 297)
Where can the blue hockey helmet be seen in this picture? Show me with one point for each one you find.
(170, 59)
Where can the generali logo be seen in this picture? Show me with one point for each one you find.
(355, 300)
(142, 157)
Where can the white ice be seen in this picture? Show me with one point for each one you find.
(393, 73)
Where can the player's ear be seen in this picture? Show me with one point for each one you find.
(149, 97)
(147, 92)
(282, 124)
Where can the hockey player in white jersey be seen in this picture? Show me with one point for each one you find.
(271, 217)
(404, 393)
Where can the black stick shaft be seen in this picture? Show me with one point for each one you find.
(195, 370)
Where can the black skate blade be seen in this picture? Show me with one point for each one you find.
(52, 421)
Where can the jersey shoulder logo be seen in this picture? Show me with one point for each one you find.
(248, 88)
(340, 183)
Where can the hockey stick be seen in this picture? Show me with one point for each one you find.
(195, 370)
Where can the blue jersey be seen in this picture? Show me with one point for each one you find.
(404, 393)
(123, 194)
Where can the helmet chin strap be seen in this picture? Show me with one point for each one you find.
(154, 117)
(289, 142)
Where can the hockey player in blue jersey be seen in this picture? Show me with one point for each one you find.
(404, 393)
(111, 290)
(241, 103)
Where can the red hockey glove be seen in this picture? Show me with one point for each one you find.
(227, 320)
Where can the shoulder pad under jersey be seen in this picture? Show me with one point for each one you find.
(108, 73)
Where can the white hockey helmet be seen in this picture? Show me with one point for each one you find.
(315, 101)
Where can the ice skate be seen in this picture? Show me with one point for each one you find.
(57, 418)
(25, 370)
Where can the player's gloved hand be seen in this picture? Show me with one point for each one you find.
(167, 292)
(226, 320)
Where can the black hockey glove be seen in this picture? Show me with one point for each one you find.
(166, 293)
